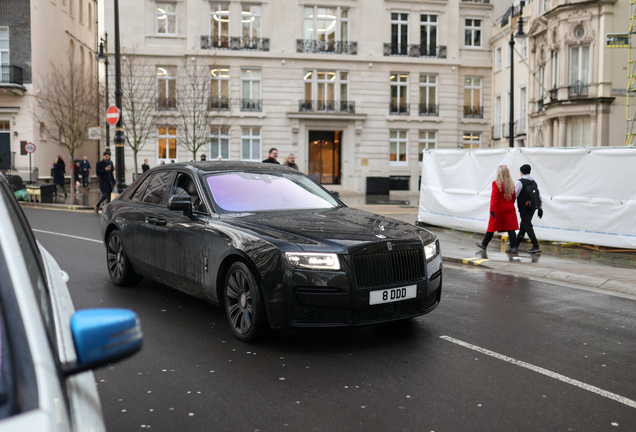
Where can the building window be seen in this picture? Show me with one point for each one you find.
(81, 11)
(250, 89)
(399, 33)
(472, 36)
(497, 127)
(398, 147)
(472, 140)
(472, 97)
(220, 142)
(554, 60)
(428, 95)
(521, 123)
(579, 70)
(167, 143)
(427, 141)
(326, 91)
(166, 18)
(523, 48)
(220, 88)
(399, 93)
(4, 49)
(326, 24)
(497, 59)
(509, 55)
(219, 25)
(251, 144)
(541, 83)
(578, 132)
(90, 17)
(251, 22)
(428, 35)
(166, 87)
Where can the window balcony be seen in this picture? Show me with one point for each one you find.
(10, 74)
(234, 43)
(414, 50)
(219, 104)
(255, 105)
(398, 108)
(348, 107)
(473, 112)
(578, 90)
(167, 103)
(428, 110)
(326, 47)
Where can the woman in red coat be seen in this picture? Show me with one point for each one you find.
(502, 209)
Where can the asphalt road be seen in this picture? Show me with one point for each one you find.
(500, 353)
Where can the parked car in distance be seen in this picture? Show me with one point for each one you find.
(48, 349)
(271, 246)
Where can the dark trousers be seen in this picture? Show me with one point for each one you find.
(105, 197)
(85, 180)
(511, 235)
(526, 226)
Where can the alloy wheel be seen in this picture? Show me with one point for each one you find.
(238, 298)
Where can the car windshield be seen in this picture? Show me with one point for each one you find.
(246, 191)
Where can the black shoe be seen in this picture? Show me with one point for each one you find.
(65, 195)
(480, 245)
(511, 250)
(96, 210)
(535, 249)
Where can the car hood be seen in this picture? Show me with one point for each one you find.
(340, 227)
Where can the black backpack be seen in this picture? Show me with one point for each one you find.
(530, 194)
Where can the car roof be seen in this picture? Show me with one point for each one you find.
(203, 167)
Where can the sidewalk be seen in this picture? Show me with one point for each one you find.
(83, 201)
(614, 271)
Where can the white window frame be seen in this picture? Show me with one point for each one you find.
(429, 26)
(522, 107)
(217, 135)
(167, 137)
(221, 14)
(580, 69)
(523, 49)
(221, 78)
(542, 82)
(498, 58)
(472, 29)
(399, 23)
(8, 49)
(400, 143)
(255, 12)
(472, 93)
(166, 78)
(498, 116)
(583, 120)
(251, 79)
(340, 20)
(252, 137)
(424, 86)
(470, 142)
(167, 15)
(426, 142)
(554, 66)
(509, 54)
(403, 87)
(311, 76)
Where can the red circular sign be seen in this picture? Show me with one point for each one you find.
(29, 147)
(112, 115)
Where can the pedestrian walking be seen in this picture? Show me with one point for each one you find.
(291, 161)
(85, 170)
(502, 210)
(273, 154)
(528, 201)
(145, 167)
(59, 169)
(104, 170)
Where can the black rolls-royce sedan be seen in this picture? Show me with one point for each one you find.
(271, 246)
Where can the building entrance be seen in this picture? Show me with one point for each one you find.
(324, 156)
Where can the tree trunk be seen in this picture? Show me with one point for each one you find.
(135, 159)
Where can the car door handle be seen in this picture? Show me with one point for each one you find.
(156, 221)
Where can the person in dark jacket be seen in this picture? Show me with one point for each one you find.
(291, 161)
(526, 211)
(104, 170)
(85, 170)
(145, 167)
(59, 169)
(273, 154)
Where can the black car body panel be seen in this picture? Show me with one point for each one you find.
(192, 252)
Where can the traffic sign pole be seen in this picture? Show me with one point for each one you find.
(30, 148)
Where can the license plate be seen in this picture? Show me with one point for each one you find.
(392, 294)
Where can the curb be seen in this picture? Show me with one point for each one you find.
(555, 275)
(55, 206)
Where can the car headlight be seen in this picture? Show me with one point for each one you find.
(430, 250)
(317, 261)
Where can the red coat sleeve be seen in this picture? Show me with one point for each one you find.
(494, 196)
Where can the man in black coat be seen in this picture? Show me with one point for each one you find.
(85, 170)
(273, 154)
(104, 170)
(145, 167)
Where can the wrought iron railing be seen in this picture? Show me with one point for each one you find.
(27, 175)
(428, 110)
(326, 47)
(398, 108)
(474, 111)
(219, 104)
(554, 95)
(251, 105)
(235, 43)
(327, 106)
(10, 74)
(166, 103)
(414, 50)
(578, 89)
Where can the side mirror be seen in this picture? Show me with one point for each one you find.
(103, 336)
(336, 194)
(181, 203)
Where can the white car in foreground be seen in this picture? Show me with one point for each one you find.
(47, 350)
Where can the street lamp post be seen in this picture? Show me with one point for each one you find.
(103, 55)
(520, 35)
(119, 130)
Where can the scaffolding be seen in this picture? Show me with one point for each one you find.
(631, 78)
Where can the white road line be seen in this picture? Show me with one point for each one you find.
(545, 372)
(68, 235)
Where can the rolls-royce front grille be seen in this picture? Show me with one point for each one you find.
(388, 268)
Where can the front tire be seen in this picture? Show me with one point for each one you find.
(243, 303)
(119, 268)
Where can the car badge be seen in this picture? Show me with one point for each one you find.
(389, 246)
(381, 227)
(380, 236)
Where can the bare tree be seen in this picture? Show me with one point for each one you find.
(138, 102)
(66, 104)
(197, 112)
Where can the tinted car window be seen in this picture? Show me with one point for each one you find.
(157, 188)
(184, 185)
(139, 192)
(243, 191)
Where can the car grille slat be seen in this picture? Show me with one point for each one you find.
(388, 268)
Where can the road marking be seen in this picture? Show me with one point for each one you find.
(545, 372)
(474, 260)
(68, 235)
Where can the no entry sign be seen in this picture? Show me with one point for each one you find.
(112, 115)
